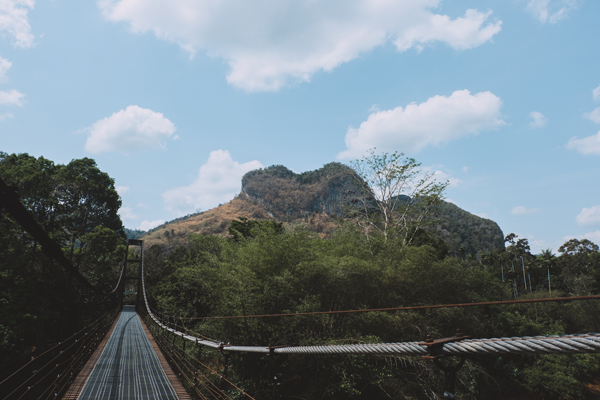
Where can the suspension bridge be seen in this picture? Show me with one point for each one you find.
(136, 352)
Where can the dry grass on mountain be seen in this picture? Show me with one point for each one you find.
(216, 221)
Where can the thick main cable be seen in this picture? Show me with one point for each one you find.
(10, 201)
(565, 344)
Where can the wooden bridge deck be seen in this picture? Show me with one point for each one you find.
(129, 367)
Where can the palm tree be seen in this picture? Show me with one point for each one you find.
(546, 260)
(502, 258)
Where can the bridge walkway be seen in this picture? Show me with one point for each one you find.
(130, 367)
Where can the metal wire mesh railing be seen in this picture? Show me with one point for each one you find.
(50, 374)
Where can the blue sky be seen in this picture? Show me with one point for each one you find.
(177, 99)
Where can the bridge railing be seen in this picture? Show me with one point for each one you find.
(49, 375)
(459, 345)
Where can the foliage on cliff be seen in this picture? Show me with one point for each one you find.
(466, 233)
(318, 198)
(331, 188)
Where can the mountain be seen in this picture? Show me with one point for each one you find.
(316, 198)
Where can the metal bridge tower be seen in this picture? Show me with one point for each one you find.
(137, 276)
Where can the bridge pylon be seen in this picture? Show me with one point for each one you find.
(138, 276)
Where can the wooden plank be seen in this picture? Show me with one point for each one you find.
(182, 394)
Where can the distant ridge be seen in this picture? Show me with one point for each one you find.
(315, 198)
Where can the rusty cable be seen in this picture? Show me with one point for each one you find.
(216, 373)
(190, 364)
(94, 327)
(44, 366)
(54, 347)
(172, 347)
(408, 308)
(78, 359)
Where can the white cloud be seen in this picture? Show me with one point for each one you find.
(538, 120)
(520, 210)
(122, 190)
(438, 120)
(587, 145)
(6, 115)
(127, 213)
(466, 169)
(441, 176)
(12, 97)
(270, 43)
(596, 93)
(14, 22)
(537, 246)
(589, 216)
(483, 215)
(4, 67)
(552, 12)
(147, 225)
(129, 130)
(218, 181)
(594, 115)
(592, 236)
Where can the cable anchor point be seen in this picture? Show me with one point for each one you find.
(435, 349)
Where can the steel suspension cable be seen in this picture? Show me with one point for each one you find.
(564, 344)
(54, 347)
(182, 334)
(10, 201)
(216, 391)
(83, 337)
(221, 377)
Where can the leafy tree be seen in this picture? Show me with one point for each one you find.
(247, 229)
(578, 265)
(87, 198)
(394, 195)
(76, 204)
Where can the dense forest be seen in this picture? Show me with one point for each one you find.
(40, 304)
(265, 267)
(297, 271)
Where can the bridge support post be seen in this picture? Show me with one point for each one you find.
(197, 364)
(449, 376)
(121, 288)
(225, 369)
(140, 295)
(435, 350)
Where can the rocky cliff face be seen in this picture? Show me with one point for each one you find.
(466, 233)
(317, 198)
(289, 196)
